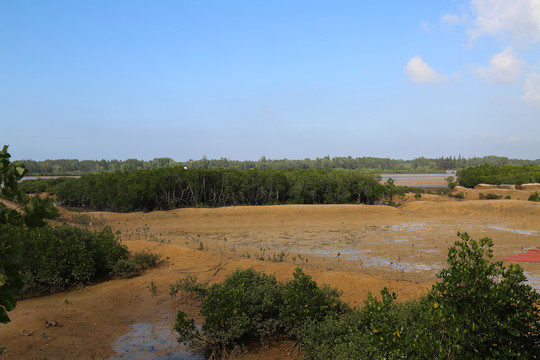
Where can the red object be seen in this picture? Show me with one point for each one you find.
(532, 255)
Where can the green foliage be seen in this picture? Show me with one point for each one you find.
(497, 175)
(250, 305)
(146, 259)
(12, 282)
(382, 329)
(480, 308)
(535, 197)
(451, 181)
(305, 302)
(126, 268)
(149, 190)
(60, 257)
(490, 196)
(244, 306)
(417, 196)
(131, 267)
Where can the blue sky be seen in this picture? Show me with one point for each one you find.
(283, 79)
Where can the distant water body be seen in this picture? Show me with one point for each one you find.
(417, 176)
(48, 177)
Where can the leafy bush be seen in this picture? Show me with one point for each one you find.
(490, 196)
(126, 268)
(380, 330)
(146, 259)
(63, 256)
(480, 308)
(244, 306)
(250, 305)
(305, 302)
(535, 197)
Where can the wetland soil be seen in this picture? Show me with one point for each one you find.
(356, 248)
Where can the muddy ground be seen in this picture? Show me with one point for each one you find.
(356, 248)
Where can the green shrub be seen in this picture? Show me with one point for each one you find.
(479, 308)
(251, 306)
(305, 302)
(146, 259)
(535, 197)
(380, 330)
(490, 196)
(126, 268)
(244, 306)
(507, 197)
(63, 256)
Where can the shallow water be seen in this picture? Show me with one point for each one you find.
(156, 341)
(516, 231)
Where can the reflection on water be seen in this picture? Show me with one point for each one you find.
(156, 341)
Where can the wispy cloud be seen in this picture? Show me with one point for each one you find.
(420, 72)
(504, 67)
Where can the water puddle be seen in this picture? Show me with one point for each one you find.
(517, 231)
(156, 341)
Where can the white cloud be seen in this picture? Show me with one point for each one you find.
(531, 89)
(420, 72)
(520, 18)
(505, 67)
(452, 19)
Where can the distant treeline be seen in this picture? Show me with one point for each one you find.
(421, 164)
(164, 189)
(497, 175)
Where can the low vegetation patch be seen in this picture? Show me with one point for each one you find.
(535, 197)
(489, 196)
(460, 195)
(478, 309)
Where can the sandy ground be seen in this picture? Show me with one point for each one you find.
(356, 248)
